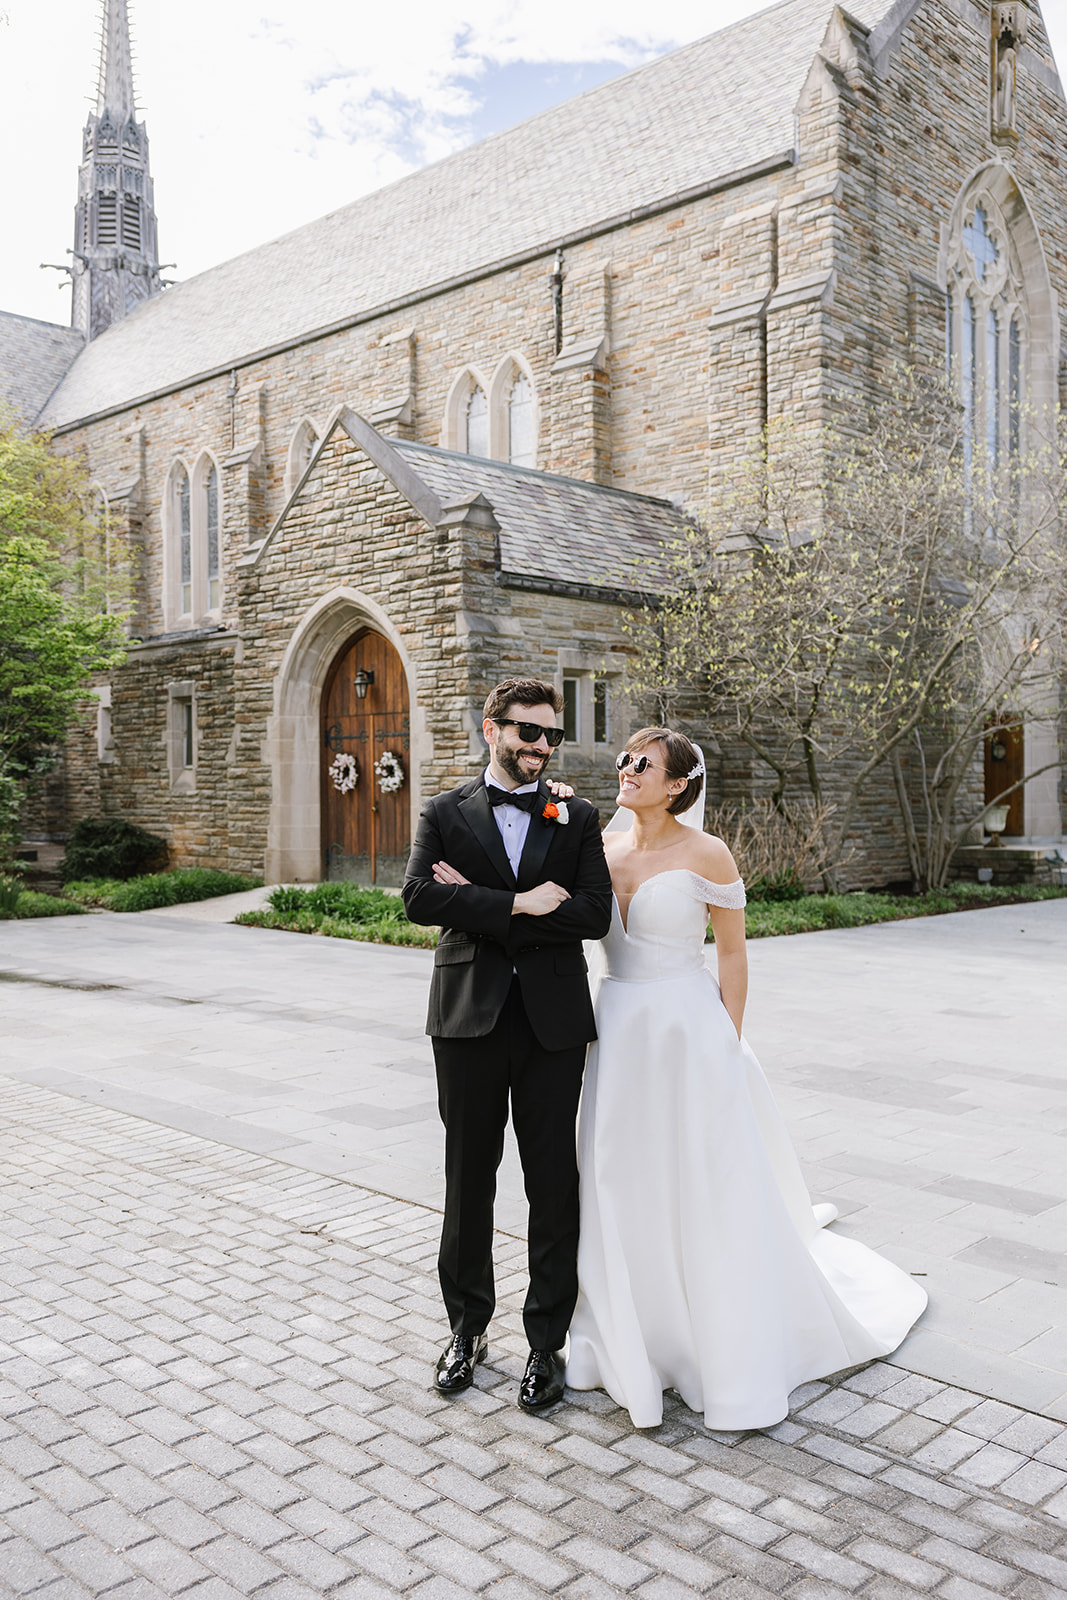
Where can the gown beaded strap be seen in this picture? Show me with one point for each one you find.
(701, 1265)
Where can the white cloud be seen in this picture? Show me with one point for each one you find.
(263, 114)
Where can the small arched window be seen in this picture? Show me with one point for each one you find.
(185, 543)
(521, 442)
(211, 517)
(301, 449)
(477, 440)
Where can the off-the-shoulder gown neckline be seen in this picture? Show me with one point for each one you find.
(666, 873)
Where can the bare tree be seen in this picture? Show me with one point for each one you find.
(875, 595)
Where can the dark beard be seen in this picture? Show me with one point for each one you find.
(508, 761)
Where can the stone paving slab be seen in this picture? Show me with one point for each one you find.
(214, 1383)
(920, 1067)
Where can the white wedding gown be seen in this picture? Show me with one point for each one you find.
(700, 1263)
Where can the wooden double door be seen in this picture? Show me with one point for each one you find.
(366, 830)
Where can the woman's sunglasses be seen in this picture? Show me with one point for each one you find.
(637, 763)
(530, 732)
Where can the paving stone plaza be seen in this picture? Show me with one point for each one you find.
(220, 1310)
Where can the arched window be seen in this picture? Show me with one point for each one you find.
(193, 533)
(522, 450)
(476, 442)
(185, 544)
(302, 447)
(985, 339)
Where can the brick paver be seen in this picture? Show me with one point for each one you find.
(214, 1382)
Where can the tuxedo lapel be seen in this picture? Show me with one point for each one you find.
(477, 813)
(538, 838)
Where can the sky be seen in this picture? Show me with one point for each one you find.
(264, 114)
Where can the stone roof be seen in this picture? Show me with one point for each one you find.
(559, 534)
(33, 357)
(557, 531)
(680, 124)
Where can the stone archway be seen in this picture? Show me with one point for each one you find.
(295, 733)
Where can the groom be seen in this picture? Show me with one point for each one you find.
(515, 882)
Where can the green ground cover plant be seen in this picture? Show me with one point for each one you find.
(340, 911)
(17, 903)
(346, 911)
(156, 889)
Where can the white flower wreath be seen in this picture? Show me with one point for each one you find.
(389, 772)
(344, 770)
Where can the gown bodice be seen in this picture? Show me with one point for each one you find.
(663, 936)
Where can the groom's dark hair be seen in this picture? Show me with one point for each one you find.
(521, 692)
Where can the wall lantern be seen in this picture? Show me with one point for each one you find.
(362, 682)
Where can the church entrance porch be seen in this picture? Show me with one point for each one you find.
(365, 764)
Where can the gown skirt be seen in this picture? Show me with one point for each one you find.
(701, 1266)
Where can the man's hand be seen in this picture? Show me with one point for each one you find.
(539, 902)
(443, 873)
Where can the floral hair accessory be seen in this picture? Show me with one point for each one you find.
(695, 772)
(556, 811)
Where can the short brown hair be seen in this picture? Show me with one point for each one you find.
(680, 756)
(521, 692)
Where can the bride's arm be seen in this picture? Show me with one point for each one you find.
(729, 930)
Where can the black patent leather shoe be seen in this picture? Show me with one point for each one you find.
(542, 1382)
(456, 1364)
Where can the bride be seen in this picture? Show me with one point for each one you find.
(702, 1267)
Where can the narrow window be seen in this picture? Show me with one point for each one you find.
(185, 727)
(992, 387)
(477, 423)
(185, 544)
(131, 222)
(967, 381)
(600, 711)
(950, 309)
(107, 224)
(571, 727)
(1014, 386)
(521, 423)
(212, 508)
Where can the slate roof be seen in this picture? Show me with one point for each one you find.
(33, 357)
(680, 123)
(557, 531)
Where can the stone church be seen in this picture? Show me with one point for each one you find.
(442, 435)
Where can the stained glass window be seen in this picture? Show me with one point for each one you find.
(212, 510)
(521, 423)
(185, 544)
(477, 423)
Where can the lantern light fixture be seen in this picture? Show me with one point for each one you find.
(362, 682)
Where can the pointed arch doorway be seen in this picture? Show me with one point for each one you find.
(366, 830)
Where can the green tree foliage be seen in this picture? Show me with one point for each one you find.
(63, 588)
(867, 598)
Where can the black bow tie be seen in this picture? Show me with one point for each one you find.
(507, 797)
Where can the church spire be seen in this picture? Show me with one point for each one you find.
(116, 258)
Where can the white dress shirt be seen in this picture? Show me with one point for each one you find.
(513, 821)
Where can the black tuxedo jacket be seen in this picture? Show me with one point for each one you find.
(482, 945)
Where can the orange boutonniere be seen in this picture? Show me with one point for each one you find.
(556, 811)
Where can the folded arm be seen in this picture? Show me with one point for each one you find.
(586, 914)
(466, 907)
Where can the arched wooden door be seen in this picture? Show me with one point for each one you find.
(366, 831)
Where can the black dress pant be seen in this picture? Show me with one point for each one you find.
(475, 1078)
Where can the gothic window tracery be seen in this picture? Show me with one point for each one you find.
(521, 446)
(985, 336)
(477, 423)
(193, 530)
(302, 447)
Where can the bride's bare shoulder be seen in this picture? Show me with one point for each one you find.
(711, 858)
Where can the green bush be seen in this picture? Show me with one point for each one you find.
(779, 886)
(815, 912)
(110, 847)
(156, 889)
(340, 911)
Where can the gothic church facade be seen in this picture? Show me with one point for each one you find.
(442, 435)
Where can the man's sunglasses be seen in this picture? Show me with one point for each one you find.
(530, 732)
(638, 763)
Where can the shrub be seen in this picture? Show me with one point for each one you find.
(110, 847)
(17, 902)
(781, 855)
(340, 911)
(158, 889)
